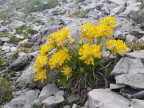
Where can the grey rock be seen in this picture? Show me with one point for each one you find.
(118, 10)
(4, 29)
(19, 36)
(67, 106)
(116, 86)
(13, 49)
(75, 106)
(141, 39)
(130, 38)
(136, 103)
(132, 80)
(121, 67)
(16, 24)
(119, 35)
(73, 97)
(26, 78)
(136, 54)
(130, 9)
(3, 40)
(5, 48)
(37, 28)
(55, 100)
(138, 17)
(20, 63)
(105, 98)
(128, 92)
(128, 65)
(139, 95)
(47, 91)
(118, 2)
(24, 100)
(19, 93)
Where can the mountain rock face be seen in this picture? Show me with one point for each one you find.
(24, 26)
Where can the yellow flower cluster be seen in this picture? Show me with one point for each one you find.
(59, 58)
(39, 66)
(104, 29)
(44, 49)
(116, 46)
(89, 31)
(89, 53)
(109, 21)
(67, 71)
(58, 39)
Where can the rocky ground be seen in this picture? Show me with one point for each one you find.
(21, 35)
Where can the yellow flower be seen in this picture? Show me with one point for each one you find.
(40, 62)
(105, 31)
(89, 53)
(59, 58)
(89, 31)
(116, 46)
(67, 71)
(58, 39)
(41, 76)
(72, 40)
(44, 49)
(109, 21)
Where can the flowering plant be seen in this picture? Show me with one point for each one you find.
(83, 62)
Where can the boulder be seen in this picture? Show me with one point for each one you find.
(118, 2)
(132, 80)
(16, 24)
(46, 92)
(136, 54)
(128, 65)
(54, 101)
(27, 78)
(25, 100)
(105, 98)
(136, 103)
(116, 86)
(20, 63)
(130, 38)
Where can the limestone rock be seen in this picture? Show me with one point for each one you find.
(24, 100)
(47, 91)
(132, 80)
(55, 100)
(16, 24)
(105, 98)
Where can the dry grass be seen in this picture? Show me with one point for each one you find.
(135, 46)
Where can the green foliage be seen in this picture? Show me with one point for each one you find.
(26, 45)
(1, 62)
(36, 106)
(65, 102)
(15, 55)
(80, 13)
(5, 34)
(25, 31)
(5, 91)
(28, 6)
(139, 45)
(9, 74)
(38, 21)
(52, 18)
(24, 49)
(78, 1)
(36, 5)
(14, 40)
